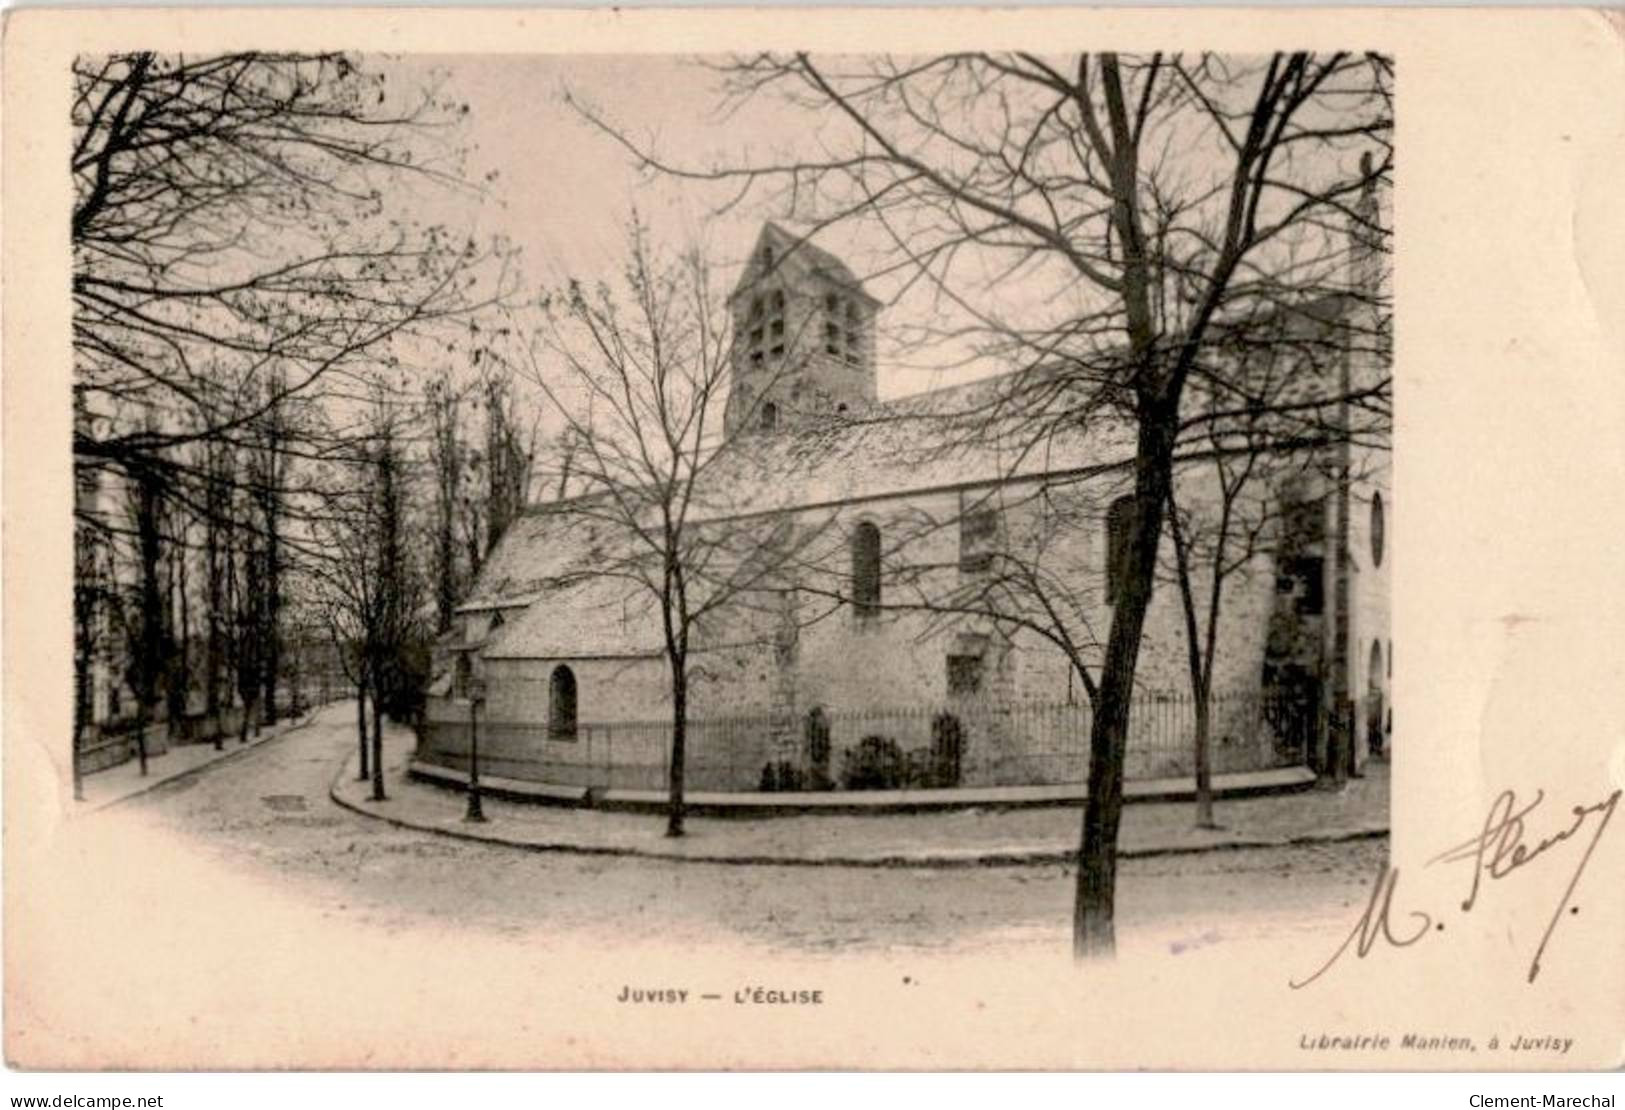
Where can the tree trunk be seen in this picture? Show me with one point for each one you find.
(81, 712)
(675, 812)
(361, 725)
(230, 647)
(142, 715)
(1093, 932)
(152, 610)
(272, 624)
(175, 679)
(1204, 770)
(378, 794)
(249, 709)
(269, 618)
(185, 698)
(212, 651)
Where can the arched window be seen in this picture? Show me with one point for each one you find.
(1378, 526)
(769, 416)
(1375, 703)
(1119, 537)
(561, 706)
(866, 569)
(461, 673)
(775, 323)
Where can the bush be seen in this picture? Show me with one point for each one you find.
(947, 750)
(406, 673)
(817, 748)
(877, 763)
(782, 776)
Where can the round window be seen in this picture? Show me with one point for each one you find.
(1377, 526)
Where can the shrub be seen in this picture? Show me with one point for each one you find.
(816, 738)
(781, 776)
(877, 763)
(947, 750)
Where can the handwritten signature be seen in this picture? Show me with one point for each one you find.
(1498, 850)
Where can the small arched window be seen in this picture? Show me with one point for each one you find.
(866, 569)
(769, 416)
(1378, 527)
(561, 706)
(462, 671)
(1119, 538)
(775, 323)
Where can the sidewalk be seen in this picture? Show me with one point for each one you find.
(971, 837)
(124, 780)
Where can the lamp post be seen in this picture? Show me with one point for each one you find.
(476, 697)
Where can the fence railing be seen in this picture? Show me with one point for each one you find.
(969, 743)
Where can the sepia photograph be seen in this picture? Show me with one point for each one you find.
(841, 514)
(872, 462)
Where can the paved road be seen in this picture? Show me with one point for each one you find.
(269, 813)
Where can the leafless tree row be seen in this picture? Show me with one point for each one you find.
(245, 285)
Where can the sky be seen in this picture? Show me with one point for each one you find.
(563, 189)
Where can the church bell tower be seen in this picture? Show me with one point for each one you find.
(803, 338)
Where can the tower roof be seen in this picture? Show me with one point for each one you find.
(795, 255)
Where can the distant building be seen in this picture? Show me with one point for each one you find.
(919, 498)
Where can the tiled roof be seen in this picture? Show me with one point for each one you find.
(586, 617)
(962, 436)
(542, 546)
(795, 253)
(943, 439)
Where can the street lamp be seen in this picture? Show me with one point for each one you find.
(476, 697)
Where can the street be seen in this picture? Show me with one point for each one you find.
(268, 814)
(253, 923)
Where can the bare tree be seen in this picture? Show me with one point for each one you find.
(238, 254)
(509, 454)
(1141, 200)
(447, 459)
(1219, 535)
(371, 589)
(638, 373)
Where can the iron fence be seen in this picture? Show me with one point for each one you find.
(970, 743)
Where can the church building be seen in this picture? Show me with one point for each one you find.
(926, 634)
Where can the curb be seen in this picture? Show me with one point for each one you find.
(229, 756)
(704, 804)
(1046, 857)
